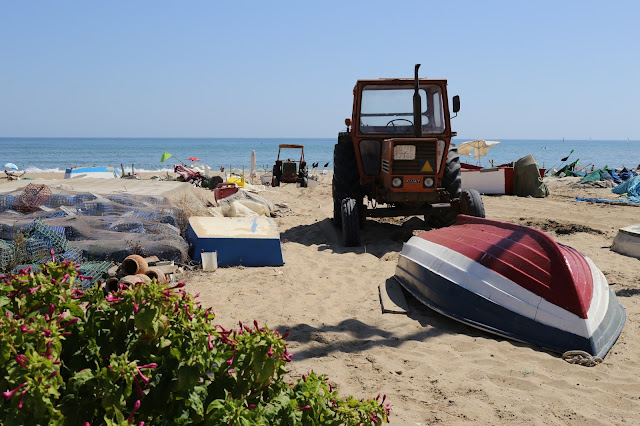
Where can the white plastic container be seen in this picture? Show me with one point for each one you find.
(209, 261)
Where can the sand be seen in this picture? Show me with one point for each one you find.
(432, 369)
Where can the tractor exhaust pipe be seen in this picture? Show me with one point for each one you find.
(417, 105)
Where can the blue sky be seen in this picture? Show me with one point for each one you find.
(523, 70)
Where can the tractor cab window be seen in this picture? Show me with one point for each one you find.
(389, 110)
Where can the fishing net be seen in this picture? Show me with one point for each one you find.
(83, 227)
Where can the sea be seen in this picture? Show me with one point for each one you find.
(38, 155)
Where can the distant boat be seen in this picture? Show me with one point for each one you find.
(92, 172)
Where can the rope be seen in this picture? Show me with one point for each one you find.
(582, 358)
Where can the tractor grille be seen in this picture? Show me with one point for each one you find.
(424, 152)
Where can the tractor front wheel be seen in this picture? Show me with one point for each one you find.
(452, 183)
(350, 223)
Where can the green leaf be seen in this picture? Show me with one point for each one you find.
(5, 352)
(144, 319)
(81, 377)
(187, 377)
(196, 398)
(215, 405)
(75, 310)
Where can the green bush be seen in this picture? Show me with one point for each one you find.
(147, 353)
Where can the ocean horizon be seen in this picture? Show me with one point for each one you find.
(54, 155)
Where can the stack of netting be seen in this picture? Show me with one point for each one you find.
(33, 245)
(6, 202)
(105, 228)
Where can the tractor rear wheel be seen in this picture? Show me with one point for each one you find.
(346, 178)
(471, 203)
(276, 175)
(350, 223)
(452, 183)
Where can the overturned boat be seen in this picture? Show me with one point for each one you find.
(513, 281)
(92, 172)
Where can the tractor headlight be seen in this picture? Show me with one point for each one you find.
(428, 182)
(396, 182)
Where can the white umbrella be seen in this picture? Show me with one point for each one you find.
(480, 147)
(10, 166)
(253, 163)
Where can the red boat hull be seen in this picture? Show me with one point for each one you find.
(514, 281)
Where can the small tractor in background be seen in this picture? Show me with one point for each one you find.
(288, 171)
(397, 152)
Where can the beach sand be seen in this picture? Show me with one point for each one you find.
(432, 369)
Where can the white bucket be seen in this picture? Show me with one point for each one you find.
(209, 261)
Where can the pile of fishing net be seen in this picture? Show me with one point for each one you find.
(87, 226)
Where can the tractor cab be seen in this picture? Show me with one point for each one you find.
(290, 171)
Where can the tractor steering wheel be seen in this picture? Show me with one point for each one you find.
(399, 119)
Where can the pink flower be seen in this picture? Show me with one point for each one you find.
(306, 407)
(230, 361)
(21, 397)
(24, 329)
(70, 322)
(7, 395)
(138, 388)
(209, 341)
(142, 376)
(135, 408)
(150, 365)
(232, 371)
(135, 307)
(270, 353)
(22, 360)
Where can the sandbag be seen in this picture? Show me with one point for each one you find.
(526, 179)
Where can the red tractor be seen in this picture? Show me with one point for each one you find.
(288, 171)
(397, 152)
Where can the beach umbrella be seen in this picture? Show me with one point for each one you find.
(480, 147)
(253, 162)
(10, 166)
(193, 159)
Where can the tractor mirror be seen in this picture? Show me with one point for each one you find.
(347, 121)
(456, 104)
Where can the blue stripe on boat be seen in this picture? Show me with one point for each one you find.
(465, 306)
